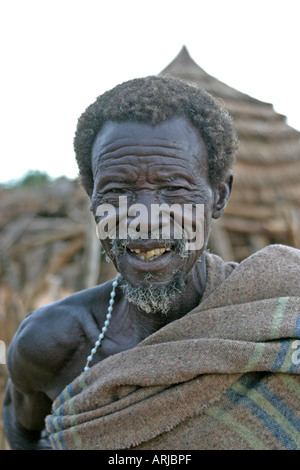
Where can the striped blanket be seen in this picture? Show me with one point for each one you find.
(224, 376)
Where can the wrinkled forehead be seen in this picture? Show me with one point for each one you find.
(175, 136)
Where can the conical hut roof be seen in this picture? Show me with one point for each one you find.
(267, 171)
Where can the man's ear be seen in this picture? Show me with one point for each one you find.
(221, 196)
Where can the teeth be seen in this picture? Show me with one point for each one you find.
(151, 254)
(154, 253)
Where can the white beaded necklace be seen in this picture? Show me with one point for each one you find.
(106, 323)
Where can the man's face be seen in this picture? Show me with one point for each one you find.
(166, 163)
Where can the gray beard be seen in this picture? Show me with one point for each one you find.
(154, 298)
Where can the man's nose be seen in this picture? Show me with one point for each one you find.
(146, 197)
(154, 220)
(141, 210)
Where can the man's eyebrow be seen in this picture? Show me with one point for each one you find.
(107, 178)
(167, 173)
(170, 178)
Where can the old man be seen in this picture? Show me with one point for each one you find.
(181, 350)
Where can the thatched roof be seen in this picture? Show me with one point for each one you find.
(267, 171)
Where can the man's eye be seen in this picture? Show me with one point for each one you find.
(173, 188)
(116, 191)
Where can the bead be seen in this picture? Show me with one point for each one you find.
(106, 323)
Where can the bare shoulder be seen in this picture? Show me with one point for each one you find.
(50, 336)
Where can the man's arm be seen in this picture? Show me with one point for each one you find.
(44, 356)
(24, 416)
(31, 367)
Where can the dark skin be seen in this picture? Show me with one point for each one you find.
(165, 163)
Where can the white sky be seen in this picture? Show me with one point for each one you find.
(58, 55)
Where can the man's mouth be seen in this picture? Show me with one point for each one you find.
(149, 255)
